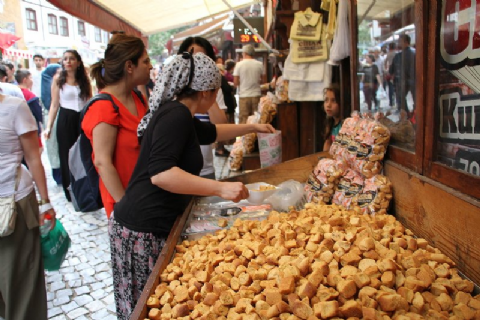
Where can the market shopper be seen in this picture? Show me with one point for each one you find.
(51, 144)
(247, 78)
(166, 172)
(37, 74)
(114, 134)
(22, 281)
(216, 114)
(25, 83)
(11, 73)
(334, 120)
(70, 91)
(403, 71)
(371, 81)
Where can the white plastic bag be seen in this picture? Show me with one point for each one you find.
(341, 41)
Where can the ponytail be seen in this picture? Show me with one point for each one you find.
(96, 72)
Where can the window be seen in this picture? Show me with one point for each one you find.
(31, 19)
(81, 29)
(98, 35)
(52, 24)
(63, 26)
(105, 36)
(388, 61)
(455, 150)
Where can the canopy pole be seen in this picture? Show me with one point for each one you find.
(239, 16)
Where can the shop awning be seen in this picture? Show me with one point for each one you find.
(98, 16)
(199, 31)
(151, 16)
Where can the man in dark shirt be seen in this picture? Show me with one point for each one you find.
(403, 71)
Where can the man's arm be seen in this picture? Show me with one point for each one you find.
(236, 81)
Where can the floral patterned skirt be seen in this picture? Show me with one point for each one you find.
(133, 257)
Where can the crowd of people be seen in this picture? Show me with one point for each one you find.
(151, 157)
(390, 68)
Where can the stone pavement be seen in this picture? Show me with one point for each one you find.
(83, 288)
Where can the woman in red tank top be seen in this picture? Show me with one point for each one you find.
(114, 134)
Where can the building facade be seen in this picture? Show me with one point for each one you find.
(11, 20)
(50, 31)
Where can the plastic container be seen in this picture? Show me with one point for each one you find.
(256, 196)
(47, 225)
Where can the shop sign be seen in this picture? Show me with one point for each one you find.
(460, 40)
(468, 160)
(460, 118)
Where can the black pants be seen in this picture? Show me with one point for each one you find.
(68, 130)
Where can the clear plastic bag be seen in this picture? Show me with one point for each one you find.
(291, 193)
(323, 180)
(375, 196)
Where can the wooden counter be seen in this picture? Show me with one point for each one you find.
(297, 169)
(447, 219)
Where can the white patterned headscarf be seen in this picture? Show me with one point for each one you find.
(197, 72)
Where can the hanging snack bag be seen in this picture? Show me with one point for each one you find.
(235, 159)
(350, 185)
(371, 144)
(249, 139)
(402, 131)
(323, 180)
(375, 196)
(342, 140)
(267, 108)
(281, 89)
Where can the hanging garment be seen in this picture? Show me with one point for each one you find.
(307, 25)
(332, 19)
(308, 51)
(306, 72)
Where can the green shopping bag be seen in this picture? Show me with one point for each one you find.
(55, 246)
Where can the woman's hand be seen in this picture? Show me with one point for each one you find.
(234, 191)
(46, 134)
(264, 128)
(52, 214)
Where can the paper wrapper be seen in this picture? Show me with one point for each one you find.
(270, 145)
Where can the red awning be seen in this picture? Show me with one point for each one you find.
(7, 40)
(96, 15)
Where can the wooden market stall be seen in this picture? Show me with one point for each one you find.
(436, 184)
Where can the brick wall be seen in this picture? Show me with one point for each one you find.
(12, 14)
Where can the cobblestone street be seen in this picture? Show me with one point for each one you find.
(83, 288)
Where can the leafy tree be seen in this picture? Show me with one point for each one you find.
(157, 42)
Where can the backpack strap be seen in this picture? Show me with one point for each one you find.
(97, 97)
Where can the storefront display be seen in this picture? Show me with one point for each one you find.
(317, 263)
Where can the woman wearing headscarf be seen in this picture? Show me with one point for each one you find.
(22, 281)
(51, 144)
(166, 174)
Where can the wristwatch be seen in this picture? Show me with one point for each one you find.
(43, 201)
